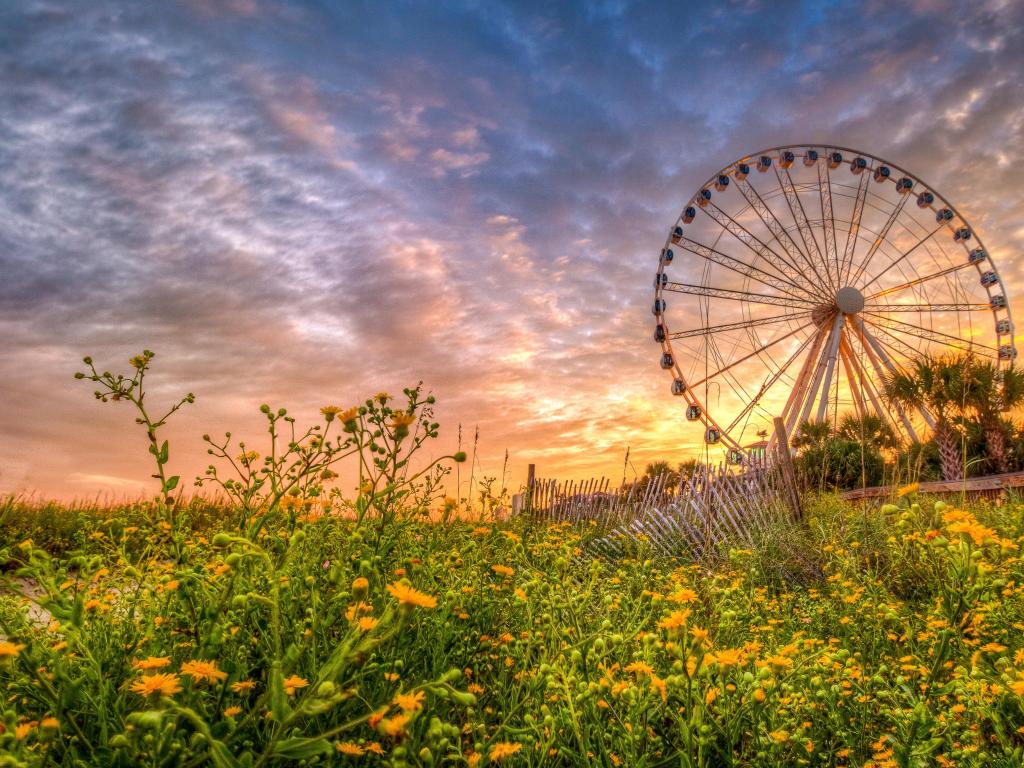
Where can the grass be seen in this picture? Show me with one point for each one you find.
(864, 638)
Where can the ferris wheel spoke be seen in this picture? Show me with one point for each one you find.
(829, 368)
(855, 218)
(882, 235)
(796, 210)
(739, 325)
(852, 380)
(903, 256)
(919, 280)
(770, 383)
(749, 355)
(744, 296)
(729, 262)
(927, 307)
(927, 334)
(779, 233)
(828, 219)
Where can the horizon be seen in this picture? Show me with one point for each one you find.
(304, 205)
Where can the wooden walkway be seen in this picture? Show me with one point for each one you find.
(990, 486)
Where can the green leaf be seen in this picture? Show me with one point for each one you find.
(301, 748)
(161, 457)
(221, 756)
(172, 483)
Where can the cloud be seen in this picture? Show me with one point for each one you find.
(306, 204)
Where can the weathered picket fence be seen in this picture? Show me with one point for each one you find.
(714, 505)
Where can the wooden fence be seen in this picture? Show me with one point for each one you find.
(713, 506)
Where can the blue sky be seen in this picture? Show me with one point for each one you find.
(306, 203)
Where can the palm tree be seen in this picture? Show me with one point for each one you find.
(811, 434)
(986, 398)
(937, 385)
(869, 429)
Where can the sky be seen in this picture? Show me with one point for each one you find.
(306, 203)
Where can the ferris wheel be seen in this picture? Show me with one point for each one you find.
(797, 279)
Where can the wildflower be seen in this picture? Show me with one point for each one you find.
(410, 702)
(9, 650)
(293, 683)
(329, 412)
(682, 596)
(502, 570)
(502, 749)
(366, 623)
(348, 748)
(360, 586)
(759, 694)
(639, 668)
(408, 596)
(729, 657)
(21, 730)
(699, 635)
(393, 726)
(152, 662)
(402, 420)
(203, 671)
(907, 489)
(243, 686)
(348, 419)
(674, 621)
(232, 711)
(780, 736)
(49, 724)
(158, 684)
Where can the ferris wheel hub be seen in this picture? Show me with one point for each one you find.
(849, 300)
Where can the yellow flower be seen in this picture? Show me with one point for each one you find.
(759, 694)
(348, 418)
(21, 730)
(329, 412)
(243, 686)
(203, 671)
(699, 634)
(682, 596)
(675, 620)
(393, 726)
(49, 723)
(348, 748)
(382, 397)
(639, 668)
(366, 623)
(503, 570)
(402, 420)
(1017, 686)
(406, 595)
(159, 684)
(729, 657)
(502, 749)
(9, 650)
(912, 488)
(152, 662)
(410, 702)
(293, 683)
(232, 711)
(780, 736)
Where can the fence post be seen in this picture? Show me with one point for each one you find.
(531, 480)
(788, 471)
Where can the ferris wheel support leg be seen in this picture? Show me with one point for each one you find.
(795, 400)
(880, 350)
(860, 329)
(833, 351)
(819, 373)
(851, 378)
(865, 383)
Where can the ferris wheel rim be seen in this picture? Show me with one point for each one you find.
(919, 186)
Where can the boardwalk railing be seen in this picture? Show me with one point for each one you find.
(713, 506)
(990, 486)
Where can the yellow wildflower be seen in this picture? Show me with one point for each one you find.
(410, 702)
(158, 684)
(502, 749)
(203, 671)
(406, 595)
(293, 683)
